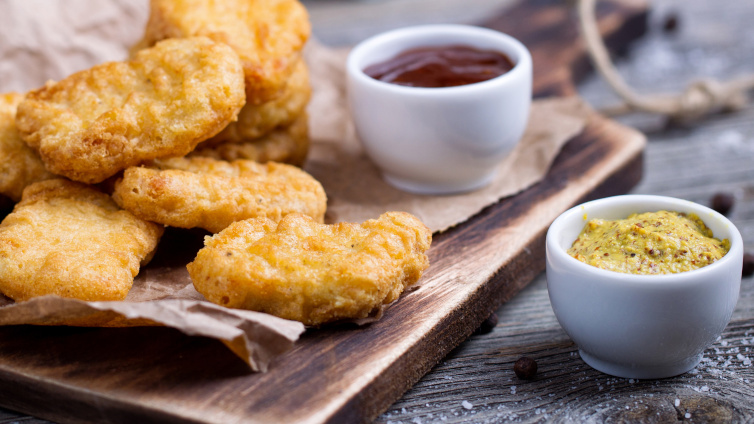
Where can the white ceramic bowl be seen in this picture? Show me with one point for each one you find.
(439, 140)
(641, 326)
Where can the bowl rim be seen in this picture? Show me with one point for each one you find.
(521, 66)
(733, 254)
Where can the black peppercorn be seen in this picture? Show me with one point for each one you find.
(525, 368)
(487, 325)
(723, 202)
(748, 268)
(671, 23)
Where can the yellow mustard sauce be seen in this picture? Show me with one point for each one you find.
(649, 243)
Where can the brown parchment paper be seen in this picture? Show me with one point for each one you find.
(162, 295)
(44, 39)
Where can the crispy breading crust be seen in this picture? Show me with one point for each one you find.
(67, 239)
(19, 164)
(254, 121)
(267, 34)
(162, 103)
(285, 145)
(311, 272)
(212, 194)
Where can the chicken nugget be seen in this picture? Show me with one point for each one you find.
(314, 273)
(267, 34)
(160, 104)
(19, 164)
(68, 239)
(254, 121)
(212, 194)
(285, 145)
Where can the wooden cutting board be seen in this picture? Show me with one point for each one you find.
(344, 374)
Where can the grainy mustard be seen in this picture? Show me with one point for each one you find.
(649, 243)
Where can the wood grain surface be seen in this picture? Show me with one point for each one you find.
(553, 29)
(686, 40)
(332, 375)
(344, 374)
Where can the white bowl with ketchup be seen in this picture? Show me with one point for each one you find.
(437, 107)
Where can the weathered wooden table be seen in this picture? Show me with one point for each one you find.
(476, 383)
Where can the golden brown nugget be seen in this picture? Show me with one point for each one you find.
(285, 145)
(212, 194)
(268, 35)
(67, 239)
(255, 121)
(310, 272)
(162, 103)
(19, 164)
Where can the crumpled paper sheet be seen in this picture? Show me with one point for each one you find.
(51, 39)
(45, 39)
(255, 337)
(163, 295)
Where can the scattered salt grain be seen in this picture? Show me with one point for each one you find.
(677, 403)
(687, 416)
(467, 405)
(733, 140)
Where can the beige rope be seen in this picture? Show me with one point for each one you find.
(699, 99)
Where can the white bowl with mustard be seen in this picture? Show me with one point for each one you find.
(647, 294)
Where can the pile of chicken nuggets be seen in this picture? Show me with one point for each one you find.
(203, 126)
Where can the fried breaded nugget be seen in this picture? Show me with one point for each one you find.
(254, 121)
(212, 194)
(310, 272)
(285, 145)
(19, 164)
(67, 239)
(162, 103)
(267, 34)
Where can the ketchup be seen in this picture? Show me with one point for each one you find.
(442, 66)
